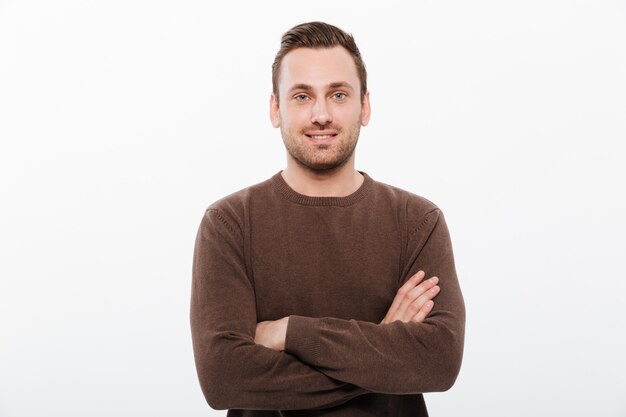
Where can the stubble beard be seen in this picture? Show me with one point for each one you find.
(322, 156)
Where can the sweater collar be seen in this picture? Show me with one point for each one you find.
(289, 193)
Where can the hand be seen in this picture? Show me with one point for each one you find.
(271, 333)
(413, 302)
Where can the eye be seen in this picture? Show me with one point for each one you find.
(300, 97)
(340, 96)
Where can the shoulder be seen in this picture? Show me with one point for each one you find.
(231, 208)
(418, 214)
(415, 205)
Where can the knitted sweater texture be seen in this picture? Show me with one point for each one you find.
(333, 265)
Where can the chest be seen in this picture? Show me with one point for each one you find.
(325, 263)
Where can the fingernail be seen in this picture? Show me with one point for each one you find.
(434, 279)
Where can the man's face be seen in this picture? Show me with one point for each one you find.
(320, 112)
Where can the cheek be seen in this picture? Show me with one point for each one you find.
(294, 117)
(348, 115)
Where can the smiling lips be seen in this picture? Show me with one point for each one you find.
(322, 135)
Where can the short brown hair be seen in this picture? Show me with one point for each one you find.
(318, 35)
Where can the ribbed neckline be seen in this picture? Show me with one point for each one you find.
(281, 185)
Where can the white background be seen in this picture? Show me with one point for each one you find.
(121, 121)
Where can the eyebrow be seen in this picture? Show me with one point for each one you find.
(331, 86)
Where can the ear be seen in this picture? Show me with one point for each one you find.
(274, 111)
(365, 109)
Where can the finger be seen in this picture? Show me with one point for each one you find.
(412, 282)
(424, 311)
(422, 288)
(404, 307)
(426, 297)
(403, 290)
(416, 306)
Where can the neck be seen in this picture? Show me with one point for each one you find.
(338, 182)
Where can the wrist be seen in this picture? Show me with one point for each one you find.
(284, 323)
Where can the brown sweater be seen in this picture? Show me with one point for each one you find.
(333, 265)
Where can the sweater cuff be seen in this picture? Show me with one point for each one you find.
(303, 337)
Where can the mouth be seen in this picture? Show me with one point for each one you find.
(320, 136)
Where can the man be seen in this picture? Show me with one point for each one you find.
(309, 294)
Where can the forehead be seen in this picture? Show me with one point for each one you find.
(318, 67)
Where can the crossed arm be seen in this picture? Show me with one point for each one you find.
(326, 361)
(412, 302)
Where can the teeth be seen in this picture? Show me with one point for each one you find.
(321, 136)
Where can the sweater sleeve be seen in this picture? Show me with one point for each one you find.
(397, 357)
(234, 372)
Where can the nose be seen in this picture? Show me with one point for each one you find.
(320, 113)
